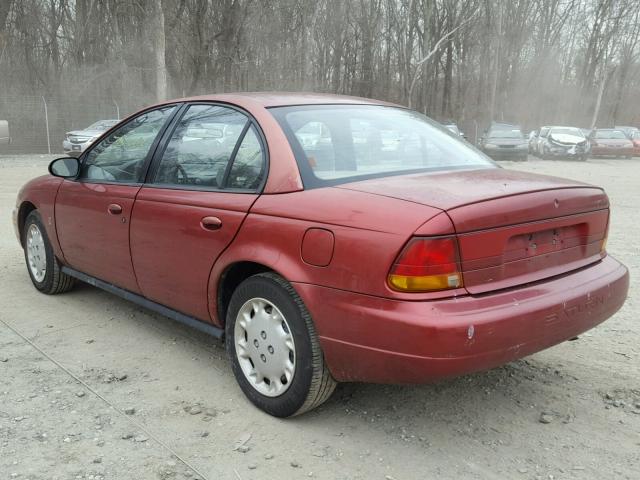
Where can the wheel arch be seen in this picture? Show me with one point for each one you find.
(237, 264)
(232, 276)
(26, 207)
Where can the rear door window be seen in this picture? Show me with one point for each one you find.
(203, 149)
(247, 169)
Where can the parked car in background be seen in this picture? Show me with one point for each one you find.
(77, 141)
(540, 137)
(628, 131)
(635, 139)
(610, 142)
(5, 138)
(504, 141)
(453, 128)
(533, 138)
(399, 263)
(564, 142)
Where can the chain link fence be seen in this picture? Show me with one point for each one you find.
(38, 124)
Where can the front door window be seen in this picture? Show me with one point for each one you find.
(120, 157)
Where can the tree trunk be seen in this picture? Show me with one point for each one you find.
(603, 83)
(5, 7)
(158, 40)
(496, 64)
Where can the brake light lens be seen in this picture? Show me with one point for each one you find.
(427, 265)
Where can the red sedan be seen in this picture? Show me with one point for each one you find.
(609, 141)
(635, 138)
(327, 238)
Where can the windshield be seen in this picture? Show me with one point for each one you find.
(340, 143)
(505, 132)
(566, 131)
(614, 134)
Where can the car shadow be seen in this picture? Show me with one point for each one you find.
(514, 387)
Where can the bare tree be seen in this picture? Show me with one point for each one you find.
(526, 61)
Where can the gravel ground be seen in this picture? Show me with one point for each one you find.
(93, 387)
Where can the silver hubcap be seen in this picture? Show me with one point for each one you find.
(36, 255)
(265, 347)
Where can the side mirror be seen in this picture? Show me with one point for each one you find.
(65, 167)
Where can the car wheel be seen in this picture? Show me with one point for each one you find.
(43, 267)
(273, 347)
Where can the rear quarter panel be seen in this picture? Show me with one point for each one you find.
(369, 232)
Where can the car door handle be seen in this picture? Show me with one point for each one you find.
(211, 223)
(114, 209)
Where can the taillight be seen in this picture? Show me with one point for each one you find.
(426, 265)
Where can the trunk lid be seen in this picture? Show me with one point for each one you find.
(512, 227)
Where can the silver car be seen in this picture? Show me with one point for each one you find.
(5, 139)
(77, 141)
(564, 142)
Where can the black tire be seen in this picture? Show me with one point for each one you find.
(54, 281)
(312, 383)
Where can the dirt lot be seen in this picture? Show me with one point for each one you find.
(101, 389)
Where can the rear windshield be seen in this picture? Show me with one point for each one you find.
(336, 144)
(505, 132)
(617, 134)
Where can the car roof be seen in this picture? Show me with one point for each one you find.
(281, 99)
(280, 179)
(568, 128)
(504, 125)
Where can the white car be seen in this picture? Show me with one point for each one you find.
(564, 142)
(77, 141)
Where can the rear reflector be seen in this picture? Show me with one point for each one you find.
(426, 265)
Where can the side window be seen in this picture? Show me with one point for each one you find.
(201, 147)
(120, 157)
(248, 165)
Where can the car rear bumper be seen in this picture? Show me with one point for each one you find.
(507, 153)
(618, 152)
(378, 340)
